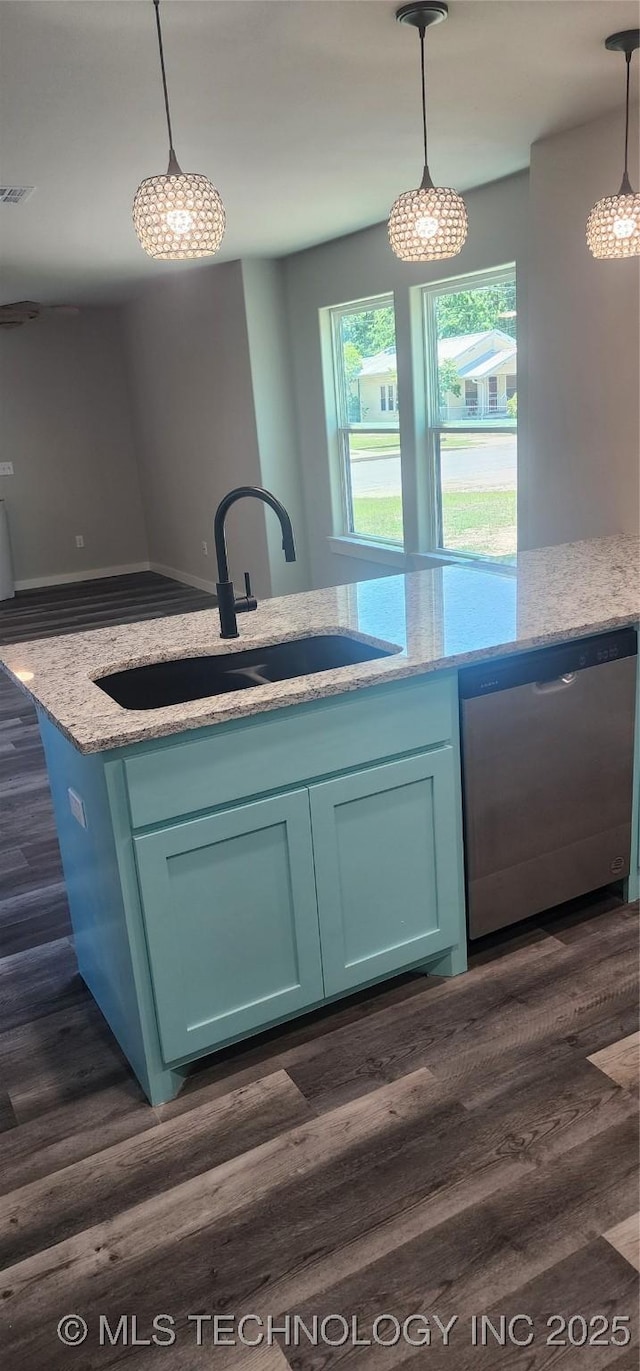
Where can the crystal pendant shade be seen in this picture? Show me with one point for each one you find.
(178, 216)
(428, 224)
(613, 227)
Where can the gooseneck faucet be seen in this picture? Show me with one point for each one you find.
(229, 604)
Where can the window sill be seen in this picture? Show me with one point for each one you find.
(385, 553)
(421, 561)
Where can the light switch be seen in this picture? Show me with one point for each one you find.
(6, 468)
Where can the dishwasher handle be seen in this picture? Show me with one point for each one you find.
(560, 683)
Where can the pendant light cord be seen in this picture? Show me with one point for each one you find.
(626, 185)
(424, 93)
(173, 164)
(426, 178)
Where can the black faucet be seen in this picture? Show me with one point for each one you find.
(229, 604)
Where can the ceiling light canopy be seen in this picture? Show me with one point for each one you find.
(613, 227)
(430, 223)
(180, 215)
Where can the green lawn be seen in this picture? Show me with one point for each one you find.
(482, 521)
(383, 442)
(374, 442)
(378, 516)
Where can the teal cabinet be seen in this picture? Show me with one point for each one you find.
(230, 912)
(262, 910)
(229, 878)
(386, 859)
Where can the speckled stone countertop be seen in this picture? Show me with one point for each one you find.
(446, 617)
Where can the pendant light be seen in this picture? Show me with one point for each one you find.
(613, 227)
(179, 215)
(428, 224)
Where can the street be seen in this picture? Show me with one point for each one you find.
(490, 466)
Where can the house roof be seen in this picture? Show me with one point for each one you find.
(501, 347)
(489, 362)
(450, 348)
(382, 364)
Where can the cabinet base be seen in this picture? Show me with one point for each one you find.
(163, 1085)
(453, 963)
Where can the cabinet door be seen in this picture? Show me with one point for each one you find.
(231, 920)
(386, 846)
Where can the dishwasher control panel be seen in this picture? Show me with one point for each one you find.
(547, 663)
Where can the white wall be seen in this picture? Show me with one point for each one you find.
(195, 425)
(362, 265)
(271, 377)
(65, 425)
(584, 332)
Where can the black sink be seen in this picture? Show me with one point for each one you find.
(195, 678)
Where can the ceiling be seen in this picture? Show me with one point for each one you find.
(304, 113)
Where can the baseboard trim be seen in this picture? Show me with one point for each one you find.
(186, 578)
(89, 574)
(101, 573)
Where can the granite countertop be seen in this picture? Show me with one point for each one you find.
(446, 617)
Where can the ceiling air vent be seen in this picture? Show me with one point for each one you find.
(15, 195)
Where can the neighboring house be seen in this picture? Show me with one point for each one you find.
(486, 364)
(376, 387)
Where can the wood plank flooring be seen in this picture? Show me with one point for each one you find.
(450, 1148)
(625, 1237)
(621, 1061)
(81, 605)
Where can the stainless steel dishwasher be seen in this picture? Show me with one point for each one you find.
(547, 741)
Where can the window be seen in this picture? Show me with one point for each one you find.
(388, 398)
(464, 473)
(366, 406)
(471, 397)
(471, 382)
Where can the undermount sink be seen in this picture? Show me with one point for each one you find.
(196, 678)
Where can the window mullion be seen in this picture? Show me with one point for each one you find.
(434, 513)
(345, 476)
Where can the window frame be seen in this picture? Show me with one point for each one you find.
(418, 437)
(342, 427)
(435, 427)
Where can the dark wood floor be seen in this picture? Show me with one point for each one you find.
(44, 613)
(436, 1147)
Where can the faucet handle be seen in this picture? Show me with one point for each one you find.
(247, 601)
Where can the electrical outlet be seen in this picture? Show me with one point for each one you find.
(6, 468)
(79, 540)
(76, 805)
(205, 548)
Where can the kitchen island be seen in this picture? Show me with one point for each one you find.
(239, 859)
